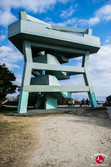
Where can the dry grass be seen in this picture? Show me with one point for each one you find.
(17, 139)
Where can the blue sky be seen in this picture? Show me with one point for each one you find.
(95, 14)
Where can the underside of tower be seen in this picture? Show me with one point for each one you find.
(46, 48)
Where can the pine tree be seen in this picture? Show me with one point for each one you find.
(6, 82)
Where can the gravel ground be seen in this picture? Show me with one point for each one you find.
(71, 141)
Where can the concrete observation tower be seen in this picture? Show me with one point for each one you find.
(45, 47)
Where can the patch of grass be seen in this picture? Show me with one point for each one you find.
(8, 133)
(17, 140)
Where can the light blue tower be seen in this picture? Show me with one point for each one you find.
(45, 47)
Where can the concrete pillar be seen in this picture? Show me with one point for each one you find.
(91, 93)
(23, 99)
(51, 101)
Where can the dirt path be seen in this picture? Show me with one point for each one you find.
(71, 141)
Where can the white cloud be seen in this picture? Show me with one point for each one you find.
(71, 21)
(11, 66)
(18, 79)
(108, 39)
(104, 12)
(63, 1)
(2, 37)
(10, 55)
(76, 80)
(67, 13)
(68, 22)
(102, 59)
(6, 17)
(30, 5)
(47, 19)
(33, 5)
(100, 72)
(93, 20)
(36, 6)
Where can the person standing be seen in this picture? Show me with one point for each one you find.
(82, 102)
(73, 102)
(69, 103)
(87, 102)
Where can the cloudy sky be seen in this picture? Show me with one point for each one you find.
(95, 14)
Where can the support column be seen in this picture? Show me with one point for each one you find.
(51, 101)
(91, 93)
(23, 99)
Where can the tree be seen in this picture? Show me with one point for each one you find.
(6, 82)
